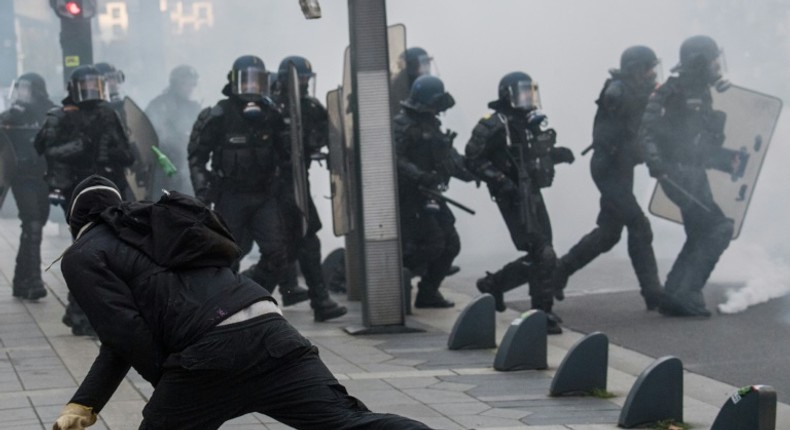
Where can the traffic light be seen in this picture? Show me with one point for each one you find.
(74, 9)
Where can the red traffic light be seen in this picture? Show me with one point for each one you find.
(73, 8)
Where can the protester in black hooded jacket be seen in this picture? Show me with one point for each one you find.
(213, 343)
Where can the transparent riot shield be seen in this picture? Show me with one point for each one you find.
(142, 138)
(298, 167)
(399, 80)
(751, 119)
(338, 164)
(7, 166)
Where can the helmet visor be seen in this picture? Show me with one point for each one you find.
(425, 65)
(525, 95)
(22, 92)
(307, 84)
(251, 81)
(88, 87)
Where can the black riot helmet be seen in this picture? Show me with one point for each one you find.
(700, 58)
(86, 84)
(113, 78)
(30, 88)
(639, 64)
(637, 59)
(416, 62)
(517, 90)
(303, 69)
(248, 78)
(427, 95)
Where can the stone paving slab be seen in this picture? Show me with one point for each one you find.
(415, 375)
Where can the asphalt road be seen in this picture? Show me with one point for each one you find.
(741, 349)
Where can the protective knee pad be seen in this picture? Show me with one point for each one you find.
(721, 233)
(640, 229)
(609, 236)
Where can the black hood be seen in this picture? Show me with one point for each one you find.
(90, 198)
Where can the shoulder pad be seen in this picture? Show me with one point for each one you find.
(216, 111)
(613, 94)
(491, 121)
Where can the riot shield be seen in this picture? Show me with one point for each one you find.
(396, 37)
(7, 166)
(299, 169)
(751, 119)
(142, 138)
(399, 80)
(338, 164)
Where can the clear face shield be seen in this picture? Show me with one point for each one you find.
(525, 95)
(307, 84)
(426, 66)
(250, 83)
(88, 87)
(22, 92)
(112, 83)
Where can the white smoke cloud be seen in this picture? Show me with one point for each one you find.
(766, 277)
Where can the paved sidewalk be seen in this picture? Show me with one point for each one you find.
(415, 375)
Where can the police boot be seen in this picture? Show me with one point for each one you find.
(509, 277)
(653, 296)
(428, 296)
(76, 319)
(290, 290)
(27, 283)
(324, 308)
(543, 302)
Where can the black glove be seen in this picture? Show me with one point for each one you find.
(562, 155)
(430, 179)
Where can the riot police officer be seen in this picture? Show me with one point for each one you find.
(620, 108)
(242, 139)
(29, 106)
(426, 162)
(413, 63)
(515, 155)
(82, 138)
(172, 114)
(315, 130)
(681, 136)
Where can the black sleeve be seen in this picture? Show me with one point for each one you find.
(109, 305)
(103, 378)
(652, 131)
(478, 150)
(201, 144)
(403, 140)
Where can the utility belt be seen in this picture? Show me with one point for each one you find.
(254, 310)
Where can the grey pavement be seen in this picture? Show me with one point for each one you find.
(41, 364)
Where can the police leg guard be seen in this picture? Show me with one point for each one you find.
(27, 283)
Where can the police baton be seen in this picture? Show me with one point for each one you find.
(442, 197)
(683, 191)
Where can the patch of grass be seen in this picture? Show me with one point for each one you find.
(601, 394)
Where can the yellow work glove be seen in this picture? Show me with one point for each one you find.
(75, 417)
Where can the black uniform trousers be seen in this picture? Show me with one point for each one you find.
(619, 208)
(538, 265)
(430, 243)
(259, 218)
(708, 233)
(262, 365)
(31, 195)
